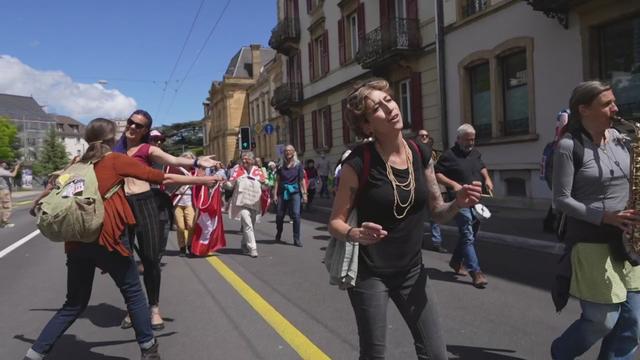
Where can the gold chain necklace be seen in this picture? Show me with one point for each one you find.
(409, 185)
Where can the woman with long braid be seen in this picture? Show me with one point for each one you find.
(148, 233)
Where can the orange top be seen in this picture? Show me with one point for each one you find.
(110, 170)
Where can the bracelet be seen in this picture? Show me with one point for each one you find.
(347, 235)
(195, 163)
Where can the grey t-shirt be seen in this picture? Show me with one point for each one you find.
(601, 184)
(5, 175)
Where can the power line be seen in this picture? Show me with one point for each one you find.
(213, 28)
(184, 45)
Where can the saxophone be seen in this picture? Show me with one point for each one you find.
(631, 240)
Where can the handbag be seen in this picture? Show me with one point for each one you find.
(341, 257)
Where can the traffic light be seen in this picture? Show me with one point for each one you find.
(245, 139)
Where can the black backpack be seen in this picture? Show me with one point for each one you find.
(560, 225)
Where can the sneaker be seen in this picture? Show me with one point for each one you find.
(9, 225)
(438, 248)
(151, 353)
(253, 253)
(126, 323)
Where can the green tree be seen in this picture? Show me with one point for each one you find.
(8, 133)
(52, 156)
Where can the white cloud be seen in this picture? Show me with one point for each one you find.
(60, 93)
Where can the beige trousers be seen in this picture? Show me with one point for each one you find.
(184, 223)
(5, 206)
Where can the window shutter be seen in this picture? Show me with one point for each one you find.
(416, 101)
(301, 146)
(298, 72)
(360, 18)
(328, 133)
(412, 27)
(325, 52)
(309, 4)
(295, 8)
(292, 134)
(346, 131)
(312, 75)
(341, 42)
(384, 12)
(314, 128)
(412, 9)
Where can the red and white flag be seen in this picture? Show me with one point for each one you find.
(208, 235)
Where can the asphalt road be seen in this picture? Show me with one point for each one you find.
(285, 310)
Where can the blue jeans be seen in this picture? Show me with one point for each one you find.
(616, 324)
(81, 267)
(465, 250)
(291, 207)
(436, 234)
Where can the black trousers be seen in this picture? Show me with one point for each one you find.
(149, 246)
(408, 290)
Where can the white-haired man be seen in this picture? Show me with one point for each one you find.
(461, 165)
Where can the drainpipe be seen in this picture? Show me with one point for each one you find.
(441, 73)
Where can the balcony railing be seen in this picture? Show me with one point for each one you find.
(285, 35)
(381, 44)
(285, 96)
(473, 6)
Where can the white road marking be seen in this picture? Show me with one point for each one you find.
(18, 243)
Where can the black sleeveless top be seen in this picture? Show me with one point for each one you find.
(401, 249)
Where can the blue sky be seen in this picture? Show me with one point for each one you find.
(58, 50)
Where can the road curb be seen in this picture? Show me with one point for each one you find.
(495, 238)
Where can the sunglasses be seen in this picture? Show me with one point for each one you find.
(424, 135)
(136, 125)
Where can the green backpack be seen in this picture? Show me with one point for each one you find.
(74, 209)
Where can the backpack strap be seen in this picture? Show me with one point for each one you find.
(113, 190)
(578, 150)
(366, 167)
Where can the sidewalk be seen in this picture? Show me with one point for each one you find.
(511, 226)
(25, 195)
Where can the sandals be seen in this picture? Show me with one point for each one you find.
(155, 315)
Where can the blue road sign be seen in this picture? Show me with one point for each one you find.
(268, 129)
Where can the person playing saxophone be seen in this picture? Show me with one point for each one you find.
(591, 186)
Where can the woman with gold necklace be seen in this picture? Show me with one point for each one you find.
(391, 206)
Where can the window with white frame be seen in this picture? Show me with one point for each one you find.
(480, 87)
(352, 35)
(317, 55)
(497, 92)
(321, 128)
(404, 101)
(515, 92)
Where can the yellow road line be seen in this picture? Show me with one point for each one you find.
(300, 343)
(23, 202)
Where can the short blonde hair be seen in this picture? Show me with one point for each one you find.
(357, 103)
(188, 154)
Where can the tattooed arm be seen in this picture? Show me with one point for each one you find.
(368, 232)
(442, 212)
